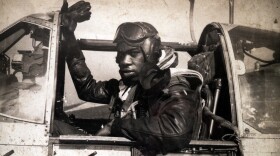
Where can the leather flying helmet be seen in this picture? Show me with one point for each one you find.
(139, 34)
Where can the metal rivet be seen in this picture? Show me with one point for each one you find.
(247, 131)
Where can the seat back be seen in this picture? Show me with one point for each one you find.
(204, 63)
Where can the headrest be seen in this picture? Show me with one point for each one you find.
(204, 63)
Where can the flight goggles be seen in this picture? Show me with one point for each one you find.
(135, 33)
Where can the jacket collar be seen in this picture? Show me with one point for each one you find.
(168, 59)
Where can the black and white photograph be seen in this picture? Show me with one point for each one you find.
(139, 78)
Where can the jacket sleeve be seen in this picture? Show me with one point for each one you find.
(170, 130)
(87, 87)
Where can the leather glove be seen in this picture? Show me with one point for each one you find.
(112, 86)
(78, 12)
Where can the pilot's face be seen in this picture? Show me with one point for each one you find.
(130, 61)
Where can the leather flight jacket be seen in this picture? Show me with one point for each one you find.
(166, 118)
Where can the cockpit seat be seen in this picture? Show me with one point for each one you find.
(204, 63)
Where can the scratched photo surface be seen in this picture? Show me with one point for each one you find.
(179, 21)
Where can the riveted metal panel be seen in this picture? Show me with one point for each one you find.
(54, 46)
(100, 150)
(259, 154)
(261, 145)
(38, 21)
(23, 134)
(23, 150)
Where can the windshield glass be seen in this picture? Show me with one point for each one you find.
(24, 57)
(258, 52)
(260, 92)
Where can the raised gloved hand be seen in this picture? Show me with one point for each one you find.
(78, 12)
(113, 87)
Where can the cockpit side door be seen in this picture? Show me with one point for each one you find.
(28, 81)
